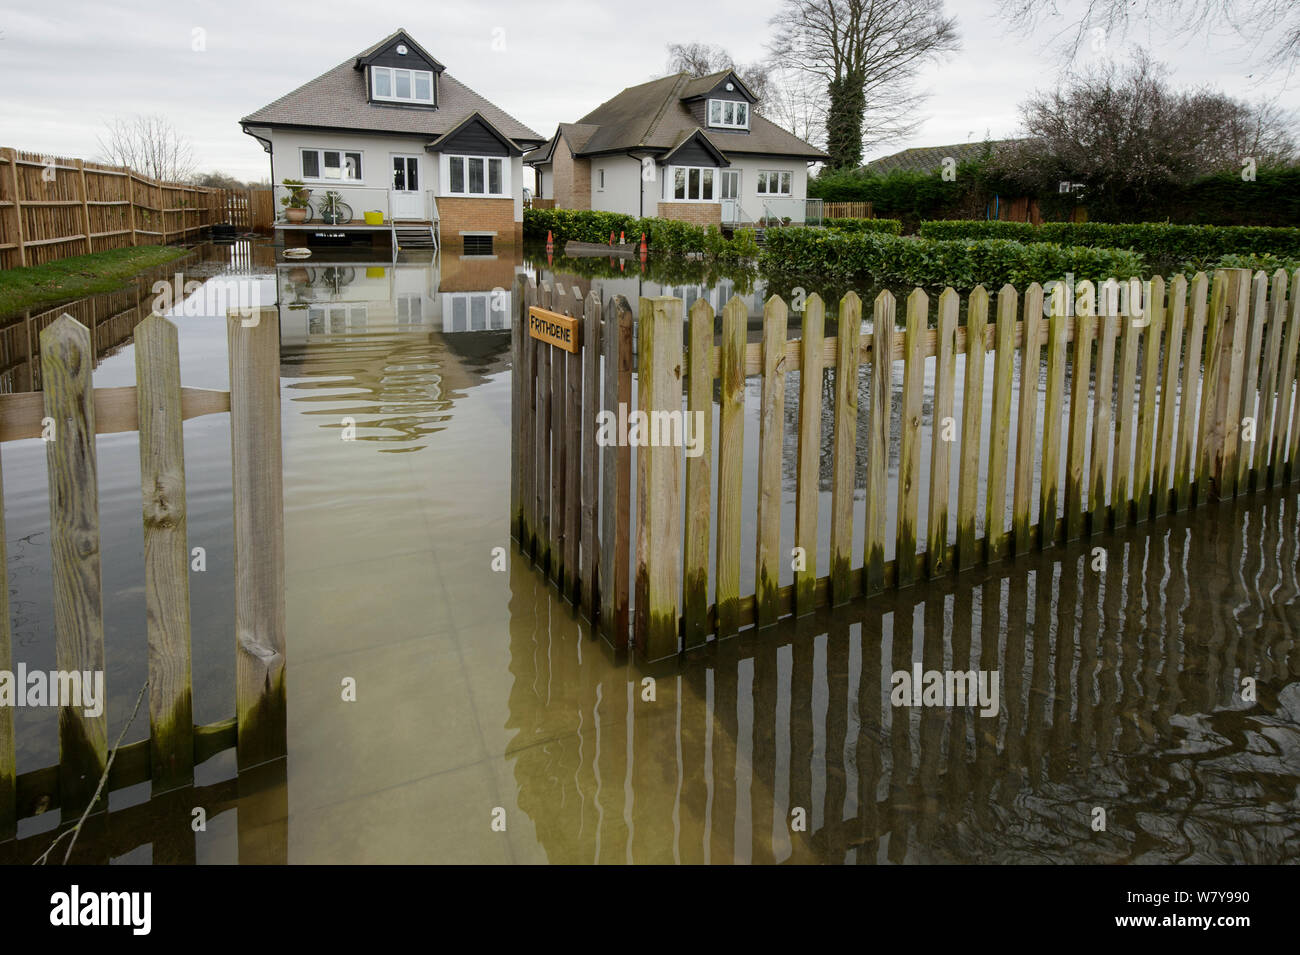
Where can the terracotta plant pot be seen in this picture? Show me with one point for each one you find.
(292, 214)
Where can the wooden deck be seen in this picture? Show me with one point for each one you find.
(356, 225)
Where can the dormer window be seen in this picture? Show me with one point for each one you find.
(728, 114)
(401, 86)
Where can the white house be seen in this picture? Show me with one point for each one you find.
(390, 131)
(680, 147)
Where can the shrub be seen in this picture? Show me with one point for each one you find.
(1173, 246)
(663, 236)
(889, 226)
(962, 264)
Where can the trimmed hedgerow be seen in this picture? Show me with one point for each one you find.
(962, 264)
(663, 236)
(1195, 245)
(887, 226)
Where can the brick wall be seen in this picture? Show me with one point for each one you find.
(479, 215)
(570, 179)
(696, 213)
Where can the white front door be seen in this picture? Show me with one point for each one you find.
(730, 196)
(404, 197)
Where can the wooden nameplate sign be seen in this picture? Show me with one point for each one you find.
(553, 328)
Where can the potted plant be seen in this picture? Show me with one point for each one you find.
(295, 200)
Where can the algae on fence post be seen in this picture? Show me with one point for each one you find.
(731, 463)
(1287, 406)
(878, 428)
(846, 439)
(972, 411)
(66, 362)
(1080, 375)
(909, 455)
(809, 452)
(1174, 322)
(257, 486)
(1103, 405)
(1057, 335)
(768, 558)
(945, 377)
(659, 525)
(995, 503)
(1031, 350)
(1249, 416)
(699, 475)
(1269, 384)
(166, 553)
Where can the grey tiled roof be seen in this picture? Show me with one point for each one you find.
(337, 99)
(652, 116)
(929, 158)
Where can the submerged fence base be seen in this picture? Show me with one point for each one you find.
(1184, 395)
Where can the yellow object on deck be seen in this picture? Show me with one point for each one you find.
(374, 218)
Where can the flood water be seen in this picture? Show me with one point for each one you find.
(481, 696)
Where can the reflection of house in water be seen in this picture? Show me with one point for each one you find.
(392, 346)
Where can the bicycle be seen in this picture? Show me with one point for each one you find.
(333, 209)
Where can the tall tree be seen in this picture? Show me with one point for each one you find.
(149, 145)
(868, 53)
(1268, 26)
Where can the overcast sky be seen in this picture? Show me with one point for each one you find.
(66, 65)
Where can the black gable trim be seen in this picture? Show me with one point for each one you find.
(720, 91)
(415, 58)
(475, 137)
(696, 150)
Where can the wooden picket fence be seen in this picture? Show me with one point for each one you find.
(156, 408)
(52, 207)
(848, 210)
(1198, 392)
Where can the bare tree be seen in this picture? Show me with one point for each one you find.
(1271, 25)
(1129, 137)
(150, 145)
(868, 53)
(797, 102)
(701, 59)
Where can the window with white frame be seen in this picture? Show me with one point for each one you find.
(401, 86)
(691, 184)
(477, 176)
(331, 164)
(728, 114)
(774, 183)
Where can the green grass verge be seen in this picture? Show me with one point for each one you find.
(33, 285)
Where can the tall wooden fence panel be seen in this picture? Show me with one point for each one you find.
(52, 207)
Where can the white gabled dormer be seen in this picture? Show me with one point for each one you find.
(401, 73)
(720, 102)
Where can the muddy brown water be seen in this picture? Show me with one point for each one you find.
(1124, 679)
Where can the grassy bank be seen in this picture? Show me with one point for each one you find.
(34, 285)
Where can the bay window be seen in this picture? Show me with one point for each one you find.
(477, 176)
(692, 183)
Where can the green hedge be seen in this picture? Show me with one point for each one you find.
(663, 236)
(1196, 245)
(888, 226)
(962, 264)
